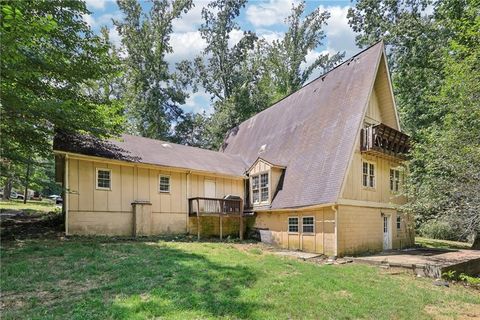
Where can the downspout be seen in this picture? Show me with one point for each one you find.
(66, 194)
(336, 230)
(188, 204)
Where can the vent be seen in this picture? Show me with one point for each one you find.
(262, 149)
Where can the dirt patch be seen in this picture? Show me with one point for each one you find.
(19, 225)
(456, 311)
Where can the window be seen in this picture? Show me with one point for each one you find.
(164, 184)
(395, 180)
(260, 188)
(292, 224)
(103, 179)
(399, 223)
(308, 224)
(368, 174)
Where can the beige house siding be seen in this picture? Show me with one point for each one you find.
(109, 212)
(360, 229)
(321, 241)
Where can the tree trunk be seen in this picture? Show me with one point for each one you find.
(27, 178)
(476, 242)
(7, 190)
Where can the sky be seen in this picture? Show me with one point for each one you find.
(264, 17)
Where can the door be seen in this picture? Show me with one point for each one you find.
(210, 192)
(386, 233)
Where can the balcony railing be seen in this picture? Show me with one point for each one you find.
(382, 140)
(203, 205)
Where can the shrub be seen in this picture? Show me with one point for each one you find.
(436, 229)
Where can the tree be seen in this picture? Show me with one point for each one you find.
(444, 183)
(287, 56)
(415, 50)
(152, 93)
(49, 57)
(192, 130)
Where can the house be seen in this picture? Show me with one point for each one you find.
(321, 171)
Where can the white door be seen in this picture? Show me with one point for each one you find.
(386, 233)
(210, 192)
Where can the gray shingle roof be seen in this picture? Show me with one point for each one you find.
(312, 132)
(143, 150)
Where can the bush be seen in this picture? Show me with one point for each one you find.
(436, 229)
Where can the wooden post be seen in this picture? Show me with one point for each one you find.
(241, 219)
(221, 227)
(198, 219)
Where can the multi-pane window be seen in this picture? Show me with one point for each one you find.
(260, 188)
(103, 179)
(368, 174)
(399, 223)
(308, 224)
(394, 180)
(256, 189)
(292, 224)
(164, 184)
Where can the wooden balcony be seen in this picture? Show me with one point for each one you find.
(219, 207)
(383, 141)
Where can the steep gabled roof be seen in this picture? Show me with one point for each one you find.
(149, 151)
(312, 132)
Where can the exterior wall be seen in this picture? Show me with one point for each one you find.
(321, 241)
(360, 230)
(109, 212)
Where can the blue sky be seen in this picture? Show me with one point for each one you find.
(265, 17)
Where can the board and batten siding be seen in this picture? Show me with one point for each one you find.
(109, 212)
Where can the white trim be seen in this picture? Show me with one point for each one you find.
(259, 175)
(288, 225)
(160, 176)
(96, 178)
(66, 193)
(335, 249)
(308, 233)
(368, 204)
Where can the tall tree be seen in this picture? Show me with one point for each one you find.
(49, 57)
(287, 56)
(152, 92)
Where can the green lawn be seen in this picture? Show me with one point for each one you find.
(30, 207)
(441, 244)
(105, 279)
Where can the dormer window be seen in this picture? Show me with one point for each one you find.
(260, 185)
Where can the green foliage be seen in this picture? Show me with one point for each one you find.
(473, 281)
(191, 130)
(49, 59)
(151, 91)
(435, 229)
(287, 55)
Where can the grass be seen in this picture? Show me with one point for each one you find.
(441, 244)
(83, 278)
(30, 207)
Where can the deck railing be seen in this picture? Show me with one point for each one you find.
(382, 140)
(204, 205)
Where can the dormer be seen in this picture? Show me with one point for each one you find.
(264, 178)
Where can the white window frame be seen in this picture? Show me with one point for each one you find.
(399, 180)
(399, 223)
(160, 176)
(96, 178)
(298, 224)
(259, 175)
(313, 225)
(369, 163)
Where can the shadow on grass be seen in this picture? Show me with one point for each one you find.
(172, 281)
(125, 280)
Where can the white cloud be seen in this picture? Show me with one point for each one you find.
(191, 20)
(340, 37)
(235, 37)
(198, 102)
(96, 4)
(185, 46)
(103, 20)
(114, 36)
(269, 13)
(269, 35)
(88, 19)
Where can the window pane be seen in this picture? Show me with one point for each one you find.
(103, 179)
(292, 224)
(308, 224)
(372, 169)
(256, 196)
(255, 182)
(164, 184)
(264, 180)
(264, 194)
(365, 168)
(372, 181)
(365, 180)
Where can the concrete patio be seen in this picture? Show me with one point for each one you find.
(428, 262)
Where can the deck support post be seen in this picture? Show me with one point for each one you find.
(221, 227)
(198, 219)
(241, 220)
